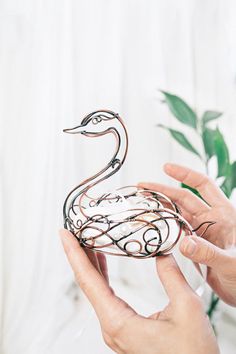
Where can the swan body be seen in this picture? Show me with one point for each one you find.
(128, 221)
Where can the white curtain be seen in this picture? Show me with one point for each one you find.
(60, 59)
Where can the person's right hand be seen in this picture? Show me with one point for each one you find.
(170, 331)
(217, 249)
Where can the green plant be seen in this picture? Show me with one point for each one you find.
(213, 145)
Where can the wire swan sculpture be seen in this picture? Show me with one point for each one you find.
(129, 221)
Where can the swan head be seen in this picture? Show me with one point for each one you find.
(95, 124)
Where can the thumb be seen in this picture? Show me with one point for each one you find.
(172, 278)
(201, 251)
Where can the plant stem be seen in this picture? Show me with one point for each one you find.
(213, 304)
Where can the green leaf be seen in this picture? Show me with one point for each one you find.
(210, 115)
(222, 154)
(226, 186)
(233, 173)
(230, 180)
(208, 138)
(181, 110)
(182, 140)
(191, 189)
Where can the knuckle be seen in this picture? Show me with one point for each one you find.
(81, 280)
(210, 254)
(116, 332)
(204, 180)
(84, 278)
(114, 339)
(108, 340)
(170, 268)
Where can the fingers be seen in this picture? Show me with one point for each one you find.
(103, 265)
(93, 258)
(172, 278)
(95, 287)
(201, 251)
(203, 184)
(98, 260)
(183, 197)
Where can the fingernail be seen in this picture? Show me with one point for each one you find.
(62, 233)
(190, 246)
(167, 167)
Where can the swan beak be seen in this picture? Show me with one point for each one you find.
(77, 130)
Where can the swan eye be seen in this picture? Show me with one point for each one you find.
(96, 120)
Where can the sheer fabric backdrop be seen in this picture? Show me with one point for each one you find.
(58, 61)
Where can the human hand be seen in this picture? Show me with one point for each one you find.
(169, 331)
(217, 248)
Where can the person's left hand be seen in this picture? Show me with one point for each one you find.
(182, 327)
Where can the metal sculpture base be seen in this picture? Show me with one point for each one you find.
(143, 224)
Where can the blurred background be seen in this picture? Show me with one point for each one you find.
(59, 60)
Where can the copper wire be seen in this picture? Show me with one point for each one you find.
(143, 220)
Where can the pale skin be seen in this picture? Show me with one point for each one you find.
(217, 249)
(171, 330)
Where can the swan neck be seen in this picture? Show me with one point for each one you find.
(111, 168)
